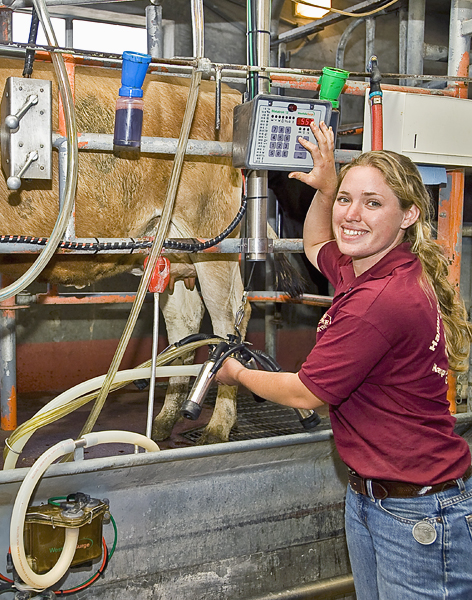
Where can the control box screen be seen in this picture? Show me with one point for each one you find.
(266, 132)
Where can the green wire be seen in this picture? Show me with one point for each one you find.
(53, 501)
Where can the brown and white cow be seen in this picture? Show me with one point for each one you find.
(119, 198)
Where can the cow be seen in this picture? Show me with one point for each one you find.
(123, 197)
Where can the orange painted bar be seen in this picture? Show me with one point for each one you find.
(450, 217)
(8, 420)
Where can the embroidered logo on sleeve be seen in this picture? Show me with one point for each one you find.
(440, 372)
(435, 342)
(324, 322)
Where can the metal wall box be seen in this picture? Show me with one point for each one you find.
(428, 129)
(266, 131)
(33, 131)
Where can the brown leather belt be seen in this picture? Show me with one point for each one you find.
(381, 489)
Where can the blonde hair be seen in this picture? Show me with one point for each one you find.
(404, 179)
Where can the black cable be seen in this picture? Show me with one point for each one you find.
(132, 245)
(30, 53)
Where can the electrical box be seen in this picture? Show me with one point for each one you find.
(428, 129)
(266, 131)
(45, 525)
(26, 130)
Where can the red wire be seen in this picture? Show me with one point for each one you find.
(90, 581)
(80, 587)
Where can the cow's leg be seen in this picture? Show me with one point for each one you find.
(222, 291)
(183, 311)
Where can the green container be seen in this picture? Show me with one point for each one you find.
(331, 84)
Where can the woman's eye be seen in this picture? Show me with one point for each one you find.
(342, 200)
(373, 203)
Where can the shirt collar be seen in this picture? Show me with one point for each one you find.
(398, 256)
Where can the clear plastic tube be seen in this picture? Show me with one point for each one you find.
(155, 250)
(72, 163)
(32, 580)
(50, 412)
(74, 398)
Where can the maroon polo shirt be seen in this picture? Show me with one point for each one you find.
(380, 363)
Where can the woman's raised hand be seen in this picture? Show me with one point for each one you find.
(323, 175)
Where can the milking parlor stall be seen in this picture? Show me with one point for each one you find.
(153, 181)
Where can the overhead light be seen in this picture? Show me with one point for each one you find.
(312, 12)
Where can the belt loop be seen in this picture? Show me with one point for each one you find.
(369, 490)
(461, 485)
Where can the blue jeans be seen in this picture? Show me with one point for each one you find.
(389, 564)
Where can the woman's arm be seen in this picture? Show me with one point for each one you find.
(317, 227)
(281, 388)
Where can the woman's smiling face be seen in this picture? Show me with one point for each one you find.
(367, 218)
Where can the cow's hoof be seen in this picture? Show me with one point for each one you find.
(162, 428)
(212, 437)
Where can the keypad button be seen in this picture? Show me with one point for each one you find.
(299, 155)
(271, 152)
(285, 153)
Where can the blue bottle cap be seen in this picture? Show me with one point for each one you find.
(133, 73)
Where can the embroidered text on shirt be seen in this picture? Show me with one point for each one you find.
(435, 342)
(439, 371)
(324, 322)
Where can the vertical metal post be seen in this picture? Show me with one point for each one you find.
(69, 39)
(69, 233)
(274, 30)
(415, 37)
(459, 45)
(155, 38)
(450, 216)
(257, 187)
(402, 42)
(369, 40)
(5, 24)
(8, 400)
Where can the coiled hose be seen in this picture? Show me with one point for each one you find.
(72, 163)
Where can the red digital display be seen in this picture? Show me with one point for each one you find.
(304, 121)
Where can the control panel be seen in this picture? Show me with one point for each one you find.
(266, 131)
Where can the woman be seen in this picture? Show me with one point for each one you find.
(381, 359)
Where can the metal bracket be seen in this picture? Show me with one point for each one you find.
(26, 130)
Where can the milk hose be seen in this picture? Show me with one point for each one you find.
(74, 398)
(72, 163)
(233, 346)
(32, 580)
(155, 250)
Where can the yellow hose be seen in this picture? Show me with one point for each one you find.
(155, 250)
(74, 398)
